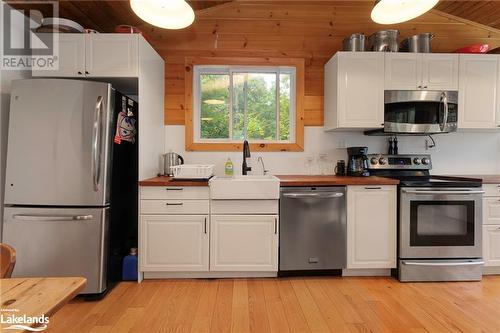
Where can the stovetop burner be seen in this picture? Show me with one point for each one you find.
(414, 171)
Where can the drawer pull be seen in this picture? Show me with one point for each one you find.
(373, 188)
(175, 189)
(174, 204)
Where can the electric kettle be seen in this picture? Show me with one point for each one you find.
(169, 160)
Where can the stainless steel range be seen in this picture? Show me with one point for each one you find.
(439, 220)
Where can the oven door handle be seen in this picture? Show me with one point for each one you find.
(444, 99)
(463, 263)
(441, 192)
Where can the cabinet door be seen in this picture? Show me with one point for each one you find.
(112, 55)
(491, 245)
(361, 90)
(371, 227)
(174, 243)
(244, 243)
(491, 210)
(479, 89)
(440, 71)
(403, 71)
(71, 57)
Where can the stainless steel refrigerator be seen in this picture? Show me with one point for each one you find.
(59, 180)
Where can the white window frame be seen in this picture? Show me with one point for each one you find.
(230, 70)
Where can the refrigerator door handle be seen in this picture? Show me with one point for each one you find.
(96, 144)
(27, 217)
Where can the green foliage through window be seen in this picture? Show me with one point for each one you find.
(245, 104)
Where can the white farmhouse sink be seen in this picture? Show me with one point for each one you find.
(255, 187)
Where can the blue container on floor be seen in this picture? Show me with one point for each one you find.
(130, 264)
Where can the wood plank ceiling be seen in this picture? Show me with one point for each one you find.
(484, 12)
(312, 30)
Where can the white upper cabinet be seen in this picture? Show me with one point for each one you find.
(427, 71)
(96, 55)
(71, 57)
(402, 71)
(354, 90)
(479, 90)
(112, 55)
(439, 71)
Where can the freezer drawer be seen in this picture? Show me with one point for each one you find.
(59, 242)
(312, 228)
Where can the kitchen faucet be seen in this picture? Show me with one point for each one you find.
(246, 154)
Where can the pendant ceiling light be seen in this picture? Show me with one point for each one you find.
(396, 11)
(167, 14)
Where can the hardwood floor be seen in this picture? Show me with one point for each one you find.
(288, 305)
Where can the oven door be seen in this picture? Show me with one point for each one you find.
(420, 111)
(440, 223)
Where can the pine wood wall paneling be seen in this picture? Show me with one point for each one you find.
(310, 30)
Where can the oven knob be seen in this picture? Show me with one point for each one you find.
(374, 160)
(426, 161)
(382, 160)
(416, 160)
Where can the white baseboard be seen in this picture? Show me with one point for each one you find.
(366, 272)
(206, 275)
(491, 270)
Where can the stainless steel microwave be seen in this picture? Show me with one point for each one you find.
(420, 111)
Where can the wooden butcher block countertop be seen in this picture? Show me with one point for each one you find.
(330, 180)
(285, 180)
(169, 181)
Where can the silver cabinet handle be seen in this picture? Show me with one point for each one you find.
(441, 192)
(313, 195)
(464, 263)
(96, 144)
(275, 225)
(205, 225)
(27, 217)
(373, 188)
(174, 189)
(174, 203)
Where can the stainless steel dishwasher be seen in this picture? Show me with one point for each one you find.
(312, 229)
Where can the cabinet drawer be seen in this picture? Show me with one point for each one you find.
(174, 192)
(174, 207)
(491, 190)
(491, 210)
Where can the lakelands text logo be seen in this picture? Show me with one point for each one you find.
(21, 47)
(23, 322)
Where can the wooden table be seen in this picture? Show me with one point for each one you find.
(35, 297)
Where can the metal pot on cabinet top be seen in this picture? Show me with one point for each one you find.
(420, 43)
(384, 41)
(169, 160)
(354, 43)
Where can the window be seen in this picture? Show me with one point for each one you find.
(237, 103)
(233, 102)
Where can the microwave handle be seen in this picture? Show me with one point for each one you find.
(444, 99)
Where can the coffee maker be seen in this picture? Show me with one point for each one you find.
(358, 161)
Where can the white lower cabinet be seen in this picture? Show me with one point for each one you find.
(244, 243)
(371, 227)
(491, 245)
(174, 242)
